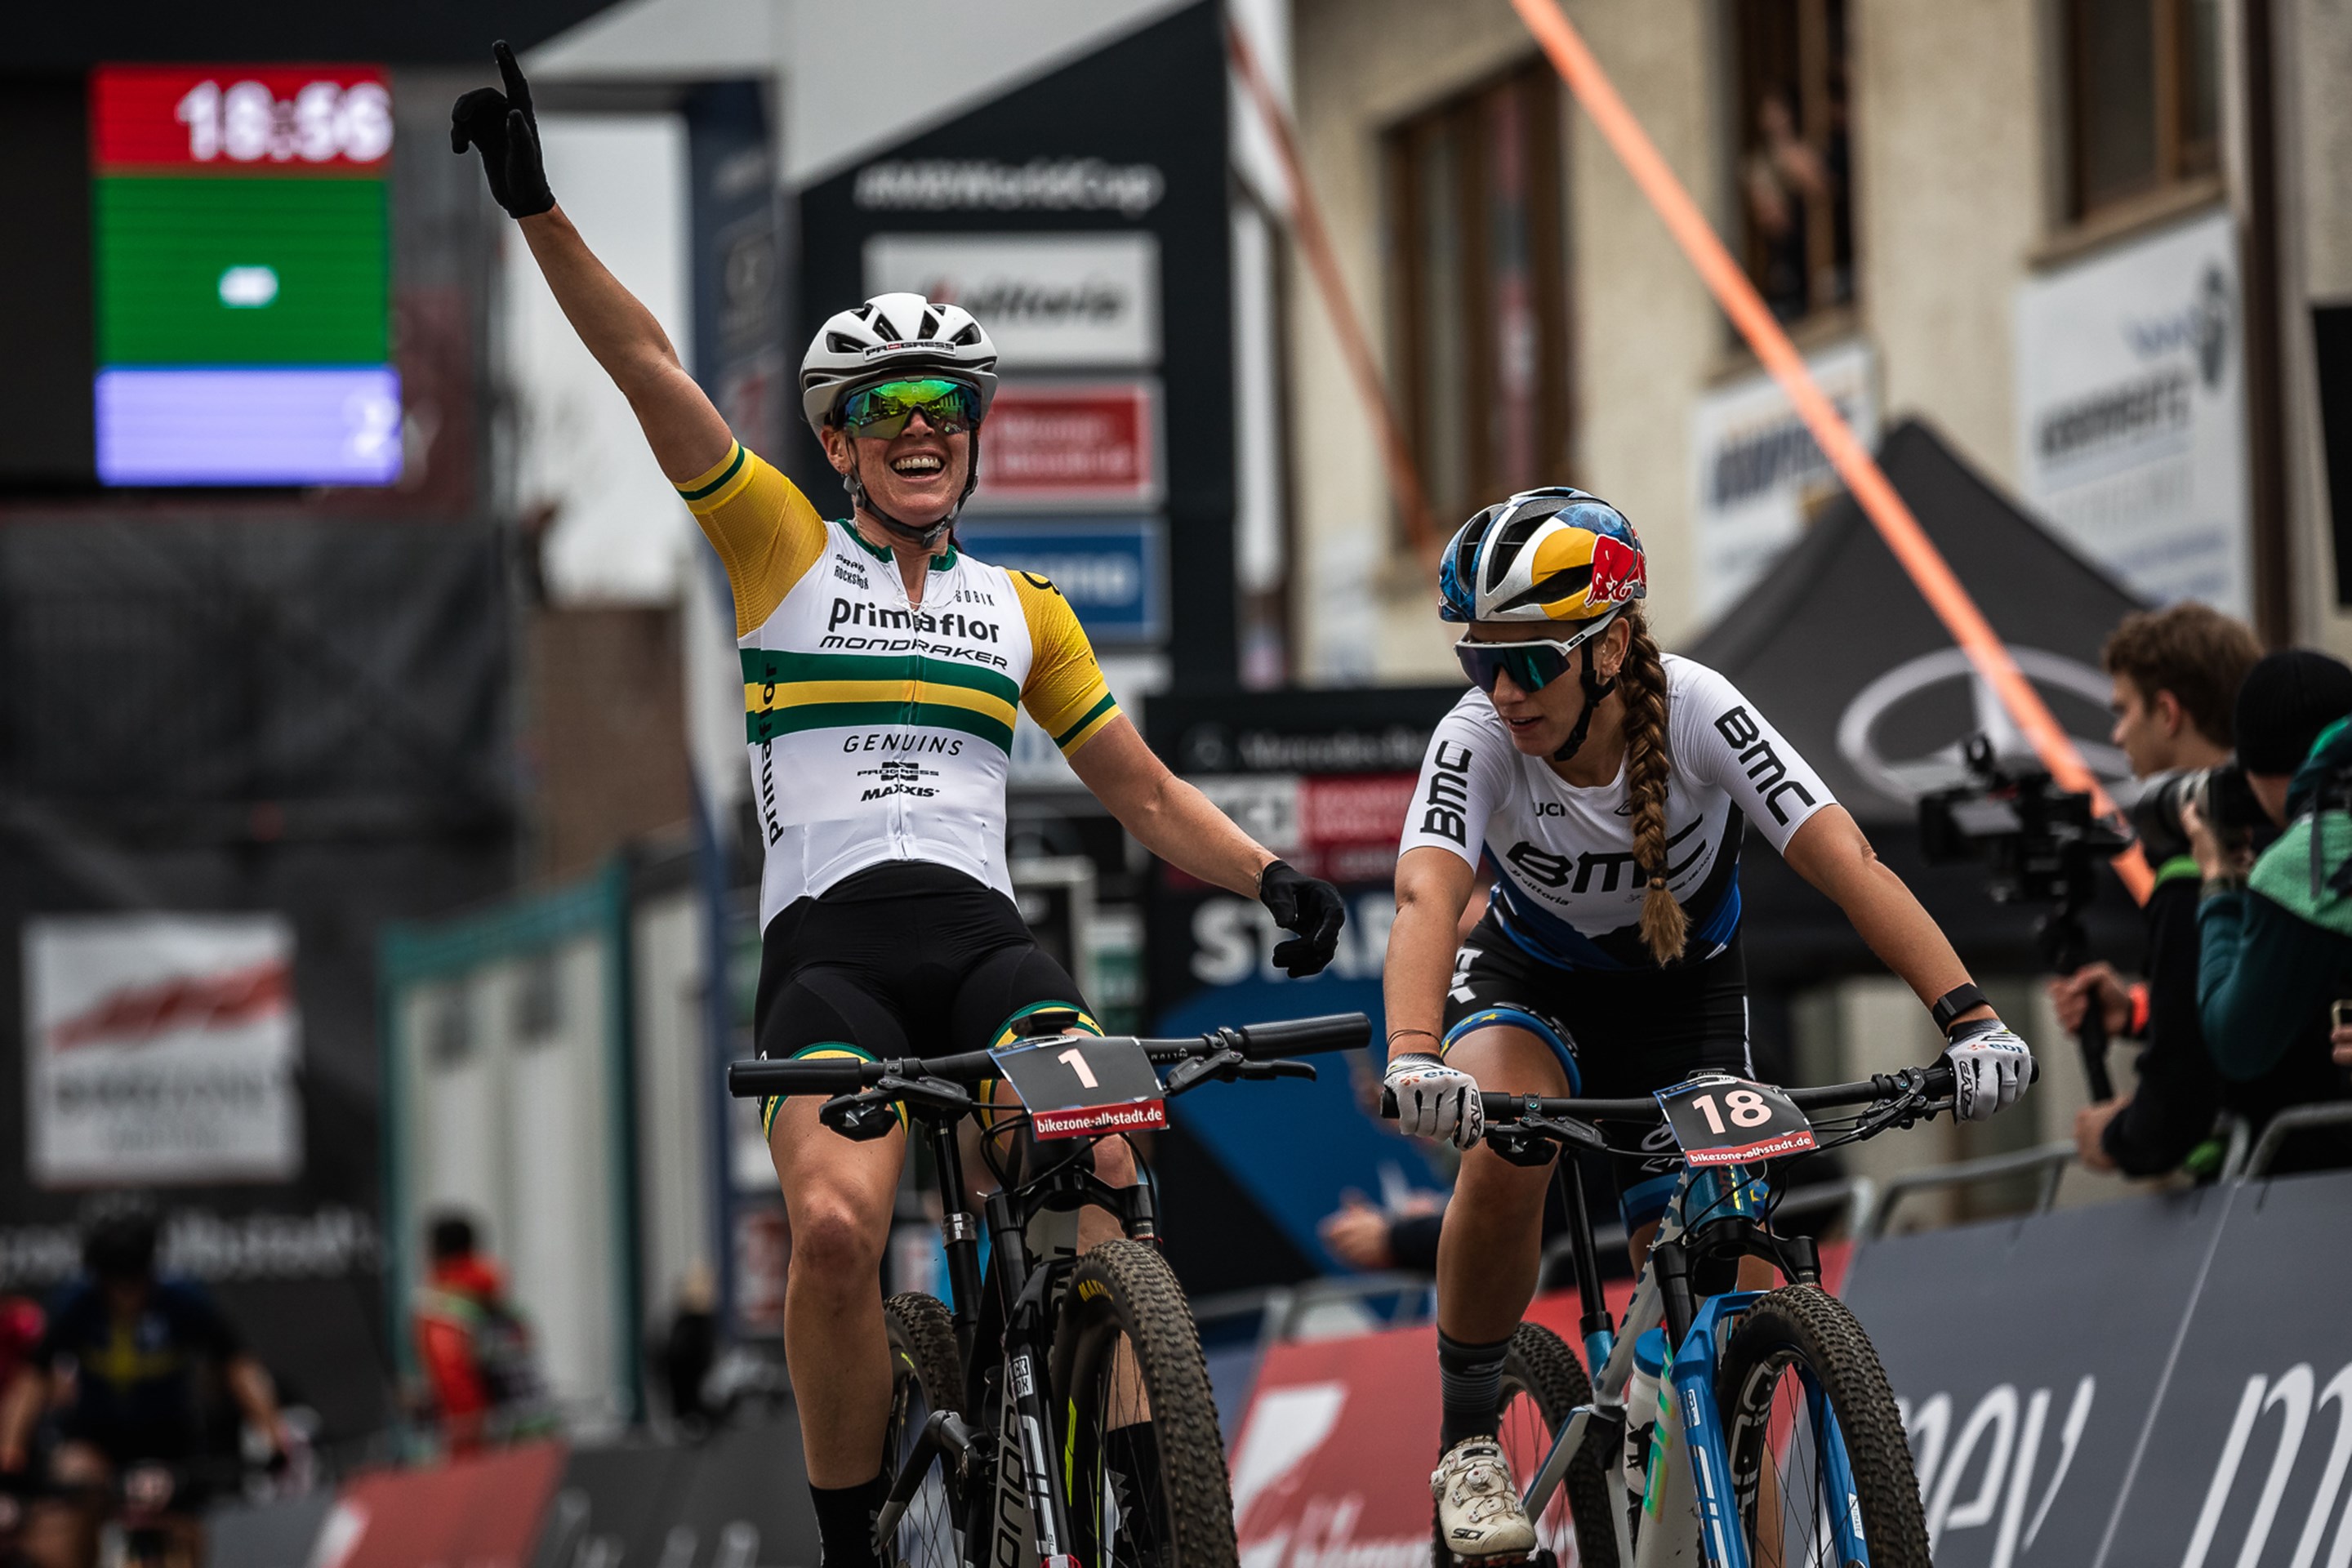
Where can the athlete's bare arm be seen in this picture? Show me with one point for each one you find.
(1432, 888)
(686, 433)
(1167, 815)
(1830, 852)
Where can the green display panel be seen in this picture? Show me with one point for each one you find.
(226, 270)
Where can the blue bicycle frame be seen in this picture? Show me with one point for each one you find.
(1699, 1490)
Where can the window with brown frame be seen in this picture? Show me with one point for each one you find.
(1791, 165)
(1478, 291)
(2140, 97)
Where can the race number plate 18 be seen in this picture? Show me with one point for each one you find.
(1720, 1119)
(1077, 1085)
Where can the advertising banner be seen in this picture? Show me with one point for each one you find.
(2022, 1449)
(1112, 570)
(1055, 444)
(1083, 217)
(161, 1049)
(2177, 1388)
(1757, 475)
(1323, 779)
(2249, 1451)
(1049, 300)
(2131, 432)
(484, 1512)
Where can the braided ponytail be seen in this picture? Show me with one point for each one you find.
(1642, 684)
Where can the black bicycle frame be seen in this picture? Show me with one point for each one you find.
(1007, 1396)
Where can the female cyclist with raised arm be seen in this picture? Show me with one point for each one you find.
(882, 671)
(1611, 786)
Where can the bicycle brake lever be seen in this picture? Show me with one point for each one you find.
(1195, 1072)
(1281, 1067)
(1567, 1130)
(931, 1093)
(861, 1116)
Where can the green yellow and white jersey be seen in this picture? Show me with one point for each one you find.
(881, 731)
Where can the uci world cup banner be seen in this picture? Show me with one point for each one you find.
(161, 1049)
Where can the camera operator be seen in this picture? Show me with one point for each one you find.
(2275, 930)
(2176, 674)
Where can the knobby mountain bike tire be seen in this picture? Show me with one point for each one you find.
(926, 1375)
(1125, 1345)
(1797, 1333)
(1543, 1383)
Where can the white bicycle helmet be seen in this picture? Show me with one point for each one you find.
(894, 335)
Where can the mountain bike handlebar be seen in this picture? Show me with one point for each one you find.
(1932, 1082)
(847, 1075)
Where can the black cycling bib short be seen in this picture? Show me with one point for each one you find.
(906, 960)
(1560, 953)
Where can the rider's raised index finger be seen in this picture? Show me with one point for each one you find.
(517, 90)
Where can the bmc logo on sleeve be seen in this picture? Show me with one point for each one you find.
(1618, 572)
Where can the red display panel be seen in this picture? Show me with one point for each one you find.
(323, 119)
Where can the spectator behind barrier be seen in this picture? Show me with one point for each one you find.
(2176, 674)
(476, 1348)
(2275, 934)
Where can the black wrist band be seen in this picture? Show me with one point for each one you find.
(1959, 999)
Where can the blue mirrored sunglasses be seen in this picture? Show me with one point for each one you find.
(1532, 665)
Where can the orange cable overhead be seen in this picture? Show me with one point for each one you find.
(1307, 222)
(1880, 501)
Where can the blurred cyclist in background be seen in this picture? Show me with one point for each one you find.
(120, 1363)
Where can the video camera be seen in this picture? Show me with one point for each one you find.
(2040, 845)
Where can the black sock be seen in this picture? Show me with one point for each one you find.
(1470, 1378)
(845, 1521)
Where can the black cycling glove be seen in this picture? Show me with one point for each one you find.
(1312, 909)
(502, 126)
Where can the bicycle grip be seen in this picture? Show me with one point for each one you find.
(842, 1075)
(1304, 1036)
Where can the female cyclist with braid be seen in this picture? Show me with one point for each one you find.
(1611, 787)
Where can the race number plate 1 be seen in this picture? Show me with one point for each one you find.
(1078, 1085)
(1720, 1119)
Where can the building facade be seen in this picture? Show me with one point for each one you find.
(2033, 224)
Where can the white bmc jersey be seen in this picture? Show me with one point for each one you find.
(1569, 891)
(881, 731)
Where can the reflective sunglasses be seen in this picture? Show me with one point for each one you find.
(884, 411)
(1533, 665)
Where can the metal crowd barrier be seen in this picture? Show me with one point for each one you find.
(2295, 1119)
(2050, 1159)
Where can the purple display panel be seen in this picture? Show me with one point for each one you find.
(248, 427)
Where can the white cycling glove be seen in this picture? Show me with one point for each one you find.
(1990, 1068)
(1435, 1100)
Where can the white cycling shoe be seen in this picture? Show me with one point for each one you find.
(1479, 1516)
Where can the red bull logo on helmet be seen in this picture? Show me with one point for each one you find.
(1618, 572)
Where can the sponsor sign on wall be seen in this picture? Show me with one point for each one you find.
(1756, 474)
(2131, 411)
(1049, 300)
(1054, 444)
(1111, 569)
(161, 1049)
(1324, 779)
